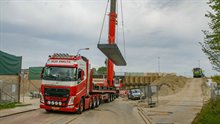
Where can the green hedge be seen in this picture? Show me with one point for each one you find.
(216, 79)
(7, 105)
(210, 113)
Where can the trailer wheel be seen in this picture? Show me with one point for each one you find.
(109, 98)
(81, 106)
(113, 97)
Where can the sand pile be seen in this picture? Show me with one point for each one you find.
(170, 84)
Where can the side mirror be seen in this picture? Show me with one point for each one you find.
(42, 73)
(82, 75)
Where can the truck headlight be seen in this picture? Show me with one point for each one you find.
(60, 103)
(52, 103)
(71, 101)
(56, 103)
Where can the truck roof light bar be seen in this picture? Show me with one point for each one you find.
(61, 55)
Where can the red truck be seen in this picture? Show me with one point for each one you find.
(67, 85)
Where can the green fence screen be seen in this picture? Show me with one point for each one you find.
(9, 64)
(34, 73)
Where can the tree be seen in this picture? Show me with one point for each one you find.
(102, 70)
(94, 71)
(211, 45)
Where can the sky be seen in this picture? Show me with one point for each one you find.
(159, 35)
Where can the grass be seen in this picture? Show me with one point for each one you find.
(210, 113)
(12, 105)
(216, 79)
(7, 105)
(22, 105)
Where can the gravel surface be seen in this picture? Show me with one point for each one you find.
(170, 84)
(179, 108)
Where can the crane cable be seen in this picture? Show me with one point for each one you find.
(123, 30)
(100, 36)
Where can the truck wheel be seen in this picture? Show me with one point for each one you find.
(94, 102)
(90, 103)
(98, 102)
(48, 110)
(81, 106)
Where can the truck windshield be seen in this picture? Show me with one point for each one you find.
(59, 74)
(196, 69)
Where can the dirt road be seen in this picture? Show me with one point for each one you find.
(180, 108)
(110, 113)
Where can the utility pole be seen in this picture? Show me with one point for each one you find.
(199, 63)
(81, 49)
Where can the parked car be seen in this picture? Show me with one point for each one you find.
(134, 94)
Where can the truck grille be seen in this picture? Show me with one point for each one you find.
(56, 92)
(56, 96)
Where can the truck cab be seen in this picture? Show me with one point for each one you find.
(198, 73)
(68, 85)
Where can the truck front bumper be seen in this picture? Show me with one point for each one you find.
(64, 109)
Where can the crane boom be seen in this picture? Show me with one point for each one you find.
(111, 49)
(111, 40)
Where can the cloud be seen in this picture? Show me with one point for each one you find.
(168, 29)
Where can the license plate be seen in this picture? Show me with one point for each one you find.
(55, 108)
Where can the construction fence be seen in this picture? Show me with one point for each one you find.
(30, 83)
(9, 91)
(150, 93)
(215, 92)
(13, 91)
(10, 69)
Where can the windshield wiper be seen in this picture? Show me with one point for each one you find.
(66, 79)
(50, 77)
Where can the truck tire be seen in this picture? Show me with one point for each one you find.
(113, 97)
(97, 101)
(48, 110)
(109, 98)
(94, 102)
(81, 106)
(90, 103)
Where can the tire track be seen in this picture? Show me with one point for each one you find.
(143, 115)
